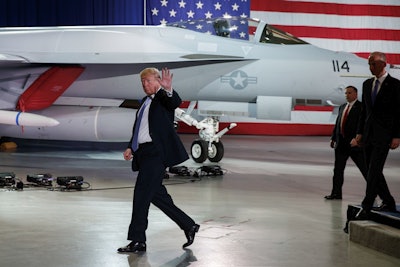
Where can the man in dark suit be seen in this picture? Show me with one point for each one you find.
(379, 131)
(344, 143)
(154, 146)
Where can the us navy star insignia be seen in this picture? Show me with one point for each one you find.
(238, 79)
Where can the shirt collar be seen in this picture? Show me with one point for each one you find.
(351, 103)
(382, 78)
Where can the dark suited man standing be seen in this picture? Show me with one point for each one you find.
(379, 131)
(154, 146)
(344, 143)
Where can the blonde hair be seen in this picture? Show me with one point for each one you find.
(149, 71)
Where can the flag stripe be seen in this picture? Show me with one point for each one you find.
(360, 2)
(339, 33)
(326, 8)
(390, 56)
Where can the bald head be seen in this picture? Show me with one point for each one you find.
(377, 63)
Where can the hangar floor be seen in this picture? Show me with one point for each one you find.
(266, 210)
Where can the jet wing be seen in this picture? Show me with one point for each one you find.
(111, 57)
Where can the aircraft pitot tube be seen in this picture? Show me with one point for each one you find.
(208, 146)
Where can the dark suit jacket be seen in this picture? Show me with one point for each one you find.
(350, 126)
(161, 128)
(381, 122)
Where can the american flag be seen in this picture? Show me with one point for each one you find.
(357, 26)
(200, 12)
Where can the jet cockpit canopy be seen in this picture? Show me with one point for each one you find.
(240, 28)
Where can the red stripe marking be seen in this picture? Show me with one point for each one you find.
(185, 104)
(49, 86)
(246, 128)
(313, 108)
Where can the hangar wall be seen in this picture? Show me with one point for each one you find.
(21, 13)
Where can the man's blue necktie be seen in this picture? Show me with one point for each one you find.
(375, 91)
(135, 144)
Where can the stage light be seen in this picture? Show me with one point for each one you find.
(7, 179)
(70, 182)
(43, 179)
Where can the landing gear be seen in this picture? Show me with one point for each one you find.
(209, 145)
(200, 151)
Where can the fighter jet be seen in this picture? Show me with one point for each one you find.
(81, 82)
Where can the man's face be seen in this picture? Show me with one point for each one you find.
(350, 94)
(150, 84)
(376, 65)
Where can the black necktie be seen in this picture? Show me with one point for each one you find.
(375, 91)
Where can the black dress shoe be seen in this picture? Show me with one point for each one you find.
(190, 235)
(333, 196)
(385, 208)
(362, 214)
(134, 247)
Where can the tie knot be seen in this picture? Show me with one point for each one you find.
(146, 100)
(346, 110)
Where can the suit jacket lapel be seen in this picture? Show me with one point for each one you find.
(384, 85)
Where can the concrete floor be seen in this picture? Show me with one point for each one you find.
(267, 210)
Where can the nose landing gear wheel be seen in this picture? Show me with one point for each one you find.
(217, 152)
(199, 151)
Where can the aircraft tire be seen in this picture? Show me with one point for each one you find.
(217, 152)
(199, 150)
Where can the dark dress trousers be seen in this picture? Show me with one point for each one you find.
(343, 149)
(379, 124)
(151, 159)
